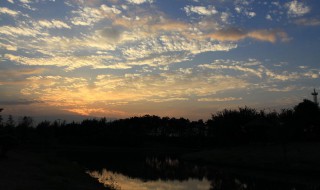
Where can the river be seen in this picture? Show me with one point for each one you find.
(136, 171)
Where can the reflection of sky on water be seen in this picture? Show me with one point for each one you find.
(126, 183)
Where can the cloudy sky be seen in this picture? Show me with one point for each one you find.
(181, 58)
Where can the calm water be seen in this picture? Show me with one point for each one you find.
(133, 172)
(120, 181)
(167, 174)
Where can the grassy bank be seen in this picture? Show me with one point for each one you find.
(32, 169)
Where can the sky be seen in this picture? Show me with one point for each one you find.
(176, 58)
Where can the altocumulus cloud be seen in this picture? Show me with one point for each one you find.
(219, 99)
(138, 50)
(200, 10)
(308, 21)
(53, 24)
(235, 34)
(5, 10)
(139, 1)
(296, 8)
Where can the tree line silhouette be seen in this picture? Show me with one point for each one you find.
(228, 127)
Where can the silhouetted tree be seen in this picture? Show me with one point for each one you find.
(10, 122)
(229, 126)
(307, 122)
(232, 127)
(7, 140)
(26, 122)
(1, 119)
(24, 130)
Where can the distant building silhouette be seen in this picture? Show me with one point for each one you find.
(315, 94)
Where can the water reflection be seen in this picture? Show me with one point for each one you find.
(123, 182)
(160, 172)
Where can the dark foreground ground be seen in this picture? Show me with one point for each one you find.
(36, 168)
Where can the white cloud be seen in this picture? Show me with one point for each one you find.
(224, 17)
(234, 34)
(19, 31)
(52, 46)
(76, 92)
(268, 17)
(144, 41)
(147, 40)
(11, 1)
(219, 99)
(171, 84)
(57, 44)
(5, 10)
(17, 77)
(245, 8)
(200, 10)
(124, 7)
(282, 89)
(313, 74)
(245, 67)
(174, 43)
(153, 60)
(253, 67)
(296, 8)
(275, 3)
(250, 14)
(25, 1)
(308, 22)
(86, 16)
(111, 9)
(160, 100)
(238, 9)
(159, 43)
(139, 1)
(68, 62)
(9, 47)
(53, 24)
(284, 76)
(26, 4)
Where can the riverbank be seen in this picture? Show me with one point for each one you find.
(32, 169)
(295, 162)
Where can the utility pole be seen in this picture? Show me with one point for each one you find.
(315, 94)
